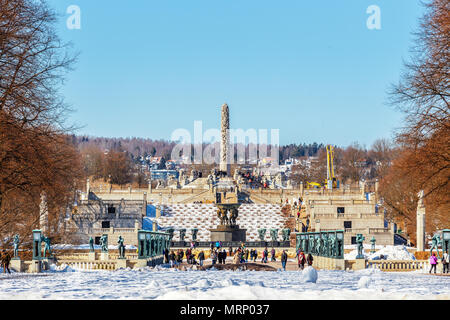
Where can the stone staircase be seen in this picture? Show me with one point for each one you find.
(204, 217)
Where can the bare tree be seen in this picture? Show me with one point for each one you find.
(35, 153)
(423, 94)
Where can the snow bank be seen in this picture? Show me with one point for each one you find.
(364, 282)
(388, 253)
(393, 253)
(309, 274)
(352, 255)
(149, 283)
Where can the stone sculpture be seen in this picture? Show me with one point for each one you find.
(225, 140)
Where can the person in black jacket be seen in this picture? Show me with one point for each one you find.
(166, 255)
(224, 256)
(180, 255)
(5, 259)
(284, 257)
(201, 257)
(255, 255)
(309, 259)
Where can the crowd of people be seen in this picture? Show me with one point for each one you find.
(242, 254)
(254, 181)
(445, 260)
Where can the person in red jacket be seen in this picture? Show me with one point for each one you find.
(301, 259)
(433, 262)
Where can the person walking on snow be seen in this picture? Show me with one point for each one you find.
(264, 255)
(5, 259)
(284, 257)
(273, 255)
(433, 262)
(445, 262)
(214, 257)
(309, 259)
(301, 259)
(201, 257)
(237, 258)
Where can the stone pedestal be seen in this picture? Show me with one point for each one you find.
(92, 256)
(339, 264)
(47, 262)
(104, 256)
(228, 233)
(17, 265)
(360, 264)
(141, 263)
(121, 263)
(35, 266)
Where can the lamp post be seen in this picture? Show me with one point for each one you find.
(141, 244)
(340, 244)
(37, 235)
(372, 241)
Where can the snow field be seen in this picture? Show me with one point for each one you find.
(164, 283)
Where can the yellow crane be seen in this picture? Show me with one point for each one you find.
(331, 181)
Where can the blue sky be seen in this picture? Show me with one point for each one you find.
(309, 68)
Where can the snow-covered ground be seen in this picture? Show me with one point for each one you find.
(164, 283)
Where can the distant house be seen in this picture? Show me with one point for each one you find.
(154, 163)
(361, 163)
(171, 164)
(163, 174)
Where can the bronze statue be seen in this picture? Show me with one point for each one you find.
(261, 234)
(233, 216)
(47, 247)
(104, 242)
(91, 244)
(435, 242)
(222, 214)
(16, 246)
(333, 246)
(121, 248)
(359, 241)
